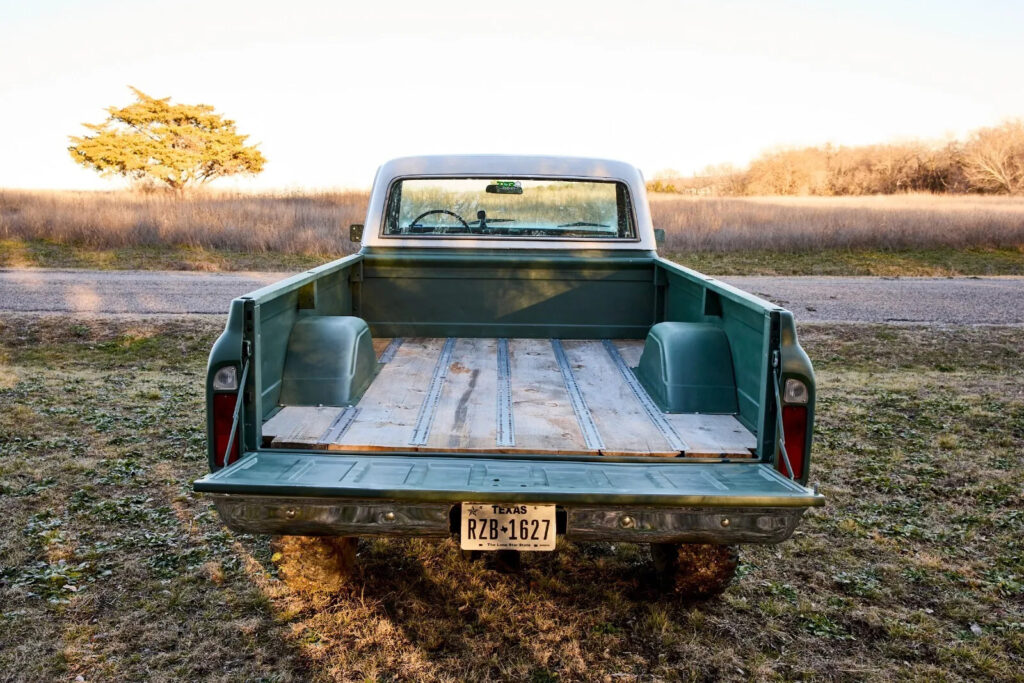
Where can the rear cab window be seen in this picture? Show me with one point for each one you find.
(509, 208)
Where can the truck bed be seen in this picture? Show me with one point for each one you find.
(537, 396)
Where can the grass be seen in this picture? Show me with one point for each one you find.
(939, 262)
(918, 234)
(110, 568)
(16, 253)
(935, 262)
(808, 224)
(932, 262)
(312, 223)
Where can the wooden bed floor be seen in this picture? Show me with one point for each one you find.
(508, 396)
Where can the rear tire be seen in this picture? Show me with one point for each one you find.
(314, 564)
(696, 571)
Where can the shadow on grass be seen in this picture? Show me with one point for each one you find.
(417, 609)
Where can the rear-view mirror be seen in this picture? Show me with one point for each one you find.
(659, 236)
(355, 232)
(505, 187)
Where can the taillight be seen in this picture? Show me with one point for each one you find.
(223, 418)
(794, 428)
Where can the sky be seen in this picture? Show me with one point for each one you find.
(331, 89)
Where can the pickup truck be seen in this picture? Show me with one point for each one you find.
(507, 360)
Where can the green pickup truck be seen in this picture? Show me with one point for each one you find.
(507, 360)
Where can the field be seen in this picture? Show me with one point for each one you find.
(314, 224)
(915, 234)
(110, 568)
(910, 234)
(906, 221)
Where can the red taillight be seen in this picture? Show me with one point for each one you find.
(223, 417)
(794, 427)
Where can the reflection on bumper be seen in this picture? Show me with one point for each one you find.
(334, 517)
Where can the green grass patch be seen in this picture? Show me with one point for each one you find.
(113, 569)
(15, 253)
(937, 262)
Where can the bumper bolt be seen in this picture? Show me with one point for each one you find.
(389, 516)
(627, 522)
(725, 521)
(289, 513)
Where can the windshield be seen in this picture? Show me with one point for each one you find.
(509, 207)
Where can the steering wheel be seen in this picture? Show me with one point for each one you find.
(446, 211)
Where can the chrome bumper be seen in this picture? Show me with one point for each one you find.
(350, 517)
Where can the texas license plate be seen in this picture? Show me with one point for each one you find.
(486, 526)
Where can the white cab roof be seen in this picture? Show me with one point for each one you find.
(488, 165)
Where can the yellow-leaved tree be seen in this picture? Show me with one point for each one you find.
(182, 145)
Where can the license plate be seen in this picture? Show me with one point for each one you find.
(486, 526)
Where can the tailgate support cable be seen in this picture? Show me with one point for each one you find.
(238, 403)
(779, 427)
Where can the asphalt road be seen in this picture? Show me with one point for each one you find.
(44, 290)
(971, 301)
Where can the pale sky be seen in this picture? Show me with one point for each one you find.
(331, 89)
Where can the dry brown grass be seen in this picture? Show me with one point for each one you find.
(907, 221)
(911, 235)
(315, 223)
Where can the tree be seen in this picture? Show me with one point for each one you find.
(994, 158)
(788, 172)
(181, 145)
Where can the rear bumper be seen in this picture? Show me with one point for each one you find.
(333, 517)
(278, 492)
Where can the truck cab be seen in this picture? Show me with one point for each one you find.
(507, 360)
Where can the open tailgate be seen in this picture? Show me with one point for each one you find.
(456, 479)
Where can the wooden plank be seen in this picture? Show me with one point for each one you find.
(425, 419)
(544, 422)
(713, 436)
(299, 426)
(379, 345)
(591, 435)
(389, 408)
(542, 413)
(710, 436)
(282, 421)
(630, 350)
(466, 415)
(624, 425)
(653, 412)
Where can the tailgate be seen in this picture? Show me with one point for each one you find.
(449, 479)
